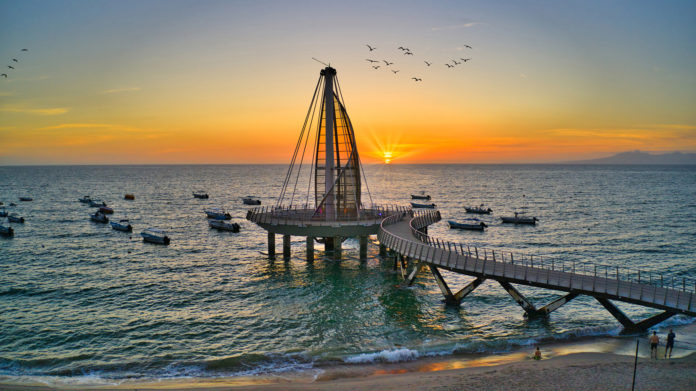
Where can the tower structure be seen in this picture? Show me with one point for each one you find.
(323, 200)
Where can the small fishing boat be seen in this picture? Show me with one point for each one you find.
(478, 209)
(85, 199)
(223, 226)
(96, 203)
(13, 204)
(99, 217)
(6, 231)
(471, 224)
(217, 214)
(428, 206)
(153, 235)
(3, 212)
(420, 197)
(26, 199)
(200, 195)
(250, 200)
(106, 210)
(517, 219)
(13, 218)
(122, 225)
(129, 197)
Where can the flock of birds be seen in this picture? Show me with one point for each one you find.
(14, 60)
(407, 52)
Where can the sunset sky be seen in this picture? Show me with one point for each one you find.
(131, 82)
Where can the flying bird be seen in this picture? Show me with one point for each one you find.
(387, 63)
(404, 49)
(408, 53)
(427, 63)
(11, 67)
(449, 66)
(467, 46)
(15, 60)
(370, 47)
(25, 50)
(455, 62)
(375, 66)
(395, 71)
(371, 61)
(416, 79)
(4, 74)
(465, 59)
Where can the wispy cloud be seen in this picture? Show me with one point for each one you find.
(92, 126)
(119, 90)
(456, 26)
(25, 110)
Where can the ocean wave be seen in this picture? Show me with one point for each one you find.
(396, 355)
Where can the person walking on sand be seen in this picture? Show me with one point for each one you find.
(670, 343)
(537, 354)
(654, 341)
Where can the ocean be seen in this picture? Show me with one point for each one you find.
(82, 303)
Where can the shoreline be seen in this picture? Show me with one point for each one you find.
(607, 360)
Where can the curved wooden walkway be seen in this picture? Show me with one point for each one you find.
(405, 235)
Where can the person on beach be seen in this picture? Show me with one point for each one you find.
(537, 354)
(670, 343)
(654, 341)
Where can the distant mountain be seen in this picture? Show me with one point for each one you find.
(640, 157)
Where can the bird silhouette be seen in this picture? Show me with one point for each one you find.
(455, 62)
(11, 67)
(4, 74)
(467, 46)
(25, 50)
(387, 63)
(408, 53)
(395, 71)
(449, 66)
(416, 79)
(465, 59)
(370, 47)
(371, 61)
(375, 66)
(15, 60)
(401, 48)
(427, 63)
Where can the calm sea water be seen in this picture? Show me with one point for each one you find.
(79, 300)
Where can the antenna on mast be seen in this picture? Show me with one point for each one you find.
(321, 62)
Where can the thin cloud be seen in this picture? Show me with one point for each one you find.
(119, 90)
(456, 26)
(23, 110)
(92, 126)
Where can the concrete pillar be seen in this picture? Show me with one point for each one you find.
(286, 247)
(271, 245)
(328, 244)
(382, 250)
(337, 247)
(310, 249)
(363, 247)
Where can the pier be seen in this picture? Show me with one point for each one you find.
(405, 236)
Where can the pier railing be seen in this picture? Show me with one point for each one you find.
(294, 214)
(422, 219)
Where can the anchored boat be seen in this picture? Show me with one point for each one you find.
(122, 225)
(201, 195)
(251, 201)
(427, 206)
(478, 209)
(85, 200)
(217, 214)
(129, 197)
(517, 219)
(99, 217)
(3, 212)
(6, 231)
(223, 226)
(96, 203)
(471, 224)
(420, 197)
(153, 235)
(26, 199)
(13, 218)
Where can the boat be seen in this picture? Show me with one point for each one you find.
(224, 226)
(99, 217)
(13, 204)
(3, 212)
(122, 225)
(471, 224)
(129, 197)
(96, 203)
(200, 195)
(217, 214)
(153, 235)
(13, 218)
(85, 199)
(6, 231)
(26, 199)
(249, 200)
(106, 210)
(420, 197)
(428, 206)
(517, 219)
(478, 209)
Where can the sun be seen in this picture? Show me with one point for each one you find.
(387, 156)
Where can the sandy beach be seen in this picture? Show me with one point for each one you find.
(577, 371)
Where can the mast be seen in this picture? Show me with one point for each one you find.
(329, 120)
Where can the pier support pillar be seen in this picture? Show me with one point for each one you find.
(271, 245)
(627, 323)
(363, 248)
(286, 247)
(310, 249)
(449, 297)
(412, 277)
(459, 296)
(526, 305)
(338, 249)
(382, 250)
(558, 303)
(328, 244)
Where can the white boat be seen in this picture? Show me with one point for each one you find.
(13, 218)
(122, 225)
(224, 226)
(517, 219)
(85, 199)
(482, 210)
(99, 217)
(427, 206)
(217, 214)
(154, 235)
(470, 224)
(250, 200)
(200, 194)
(96, 203)
(6, 231)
